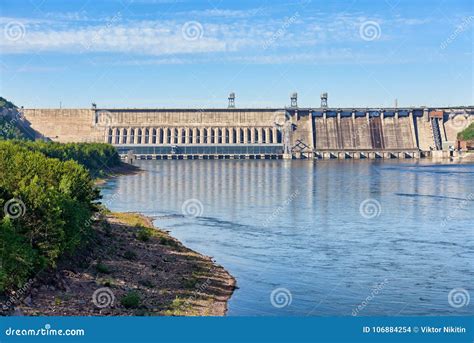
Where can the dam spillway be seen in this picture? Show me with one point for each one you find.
(319, 133)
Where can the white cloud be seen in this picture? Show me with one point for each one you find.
(225, 13)
(68, 16)
(153, 38)
(75, 33)
(24, 21)
(412, 21)
(35, 69)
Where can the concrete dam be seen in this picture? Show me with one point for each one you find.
(258, 133)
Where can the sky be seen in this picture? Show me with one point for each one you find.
(179, 53)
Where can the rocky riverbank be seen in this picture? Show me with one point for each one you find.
(129, 267)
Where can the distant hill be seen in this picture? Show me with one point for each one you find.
(12, 126)
(5, 104)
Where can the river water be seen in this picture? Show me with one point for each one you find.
(325, 238)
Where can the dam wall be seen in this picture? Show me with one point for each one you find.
(364, 131)
(64, 125)
(264, 132)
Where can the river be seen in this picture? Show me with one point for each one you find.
(319, 238)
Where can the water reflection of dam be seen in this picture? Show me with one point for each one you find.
(235, 185)
(231, 133)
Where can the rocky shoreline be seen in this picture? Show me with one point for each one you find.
(129, 267)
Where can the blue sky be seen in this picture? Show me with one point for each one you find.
(178, 53)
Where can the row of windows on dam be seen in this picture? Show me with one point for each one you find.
(260, 135)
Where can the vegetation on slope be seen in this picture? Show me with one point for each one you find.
(47, 205)
(5, 104)
(10, 127)
(47, 198)
(97, 158)
(467, 134)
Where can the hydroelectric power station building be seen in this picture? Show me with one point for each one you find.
(291, 132)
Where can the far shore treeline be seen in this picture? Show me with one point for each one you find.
(97, 158)
(47, 200)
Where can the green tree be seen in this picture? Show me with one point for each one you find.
(56, 202)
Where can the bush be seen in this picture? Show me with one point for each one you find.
(97, 158)
(51, 203)
(18, 260)
(130, 255)
(130, 300)
(102, 268)
(169, 242)
(143, 235)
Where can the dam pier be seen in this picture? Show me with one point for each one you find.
(260, 133)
